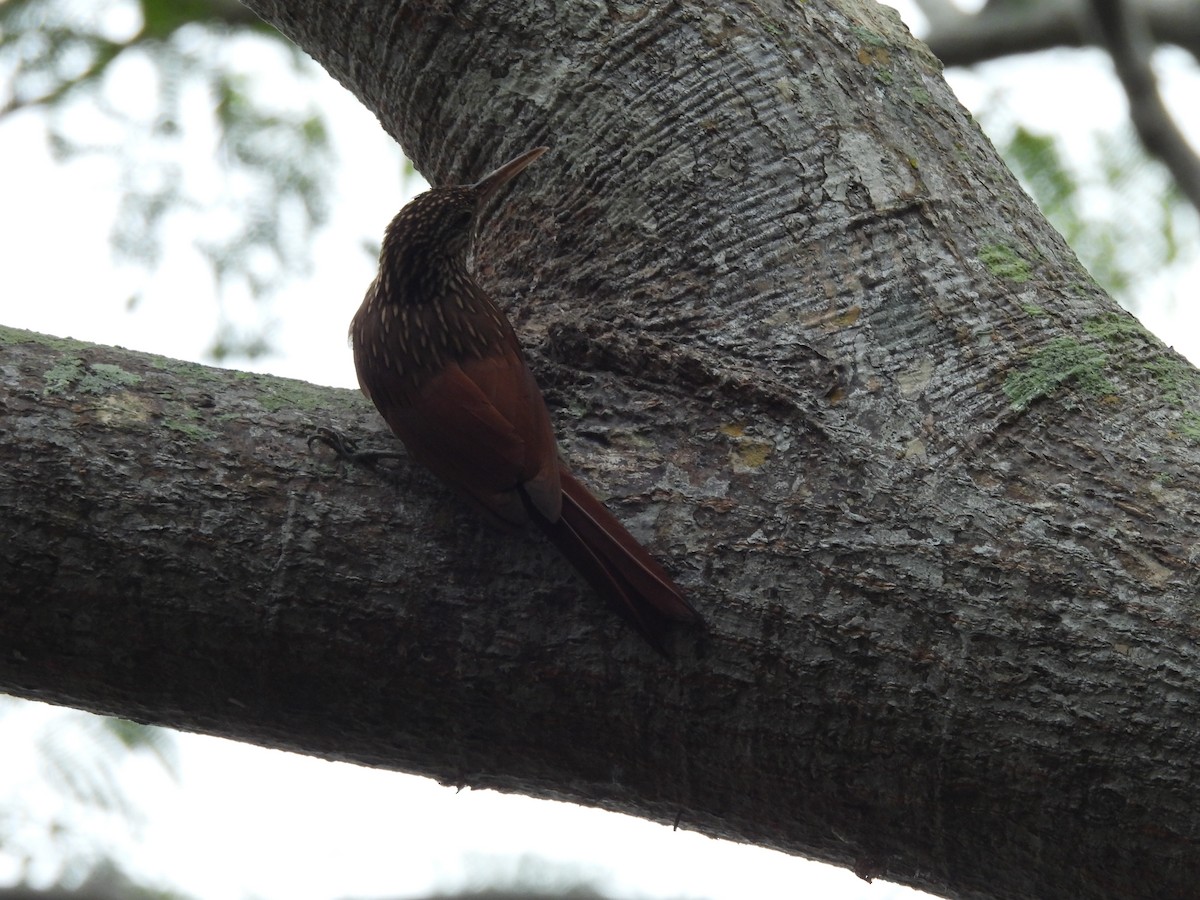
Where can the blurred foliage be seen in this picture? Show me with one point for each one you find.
(120, 78)
(526, 876)
(85, 766)
(63, 802)
(1121, 213)
(104, 881)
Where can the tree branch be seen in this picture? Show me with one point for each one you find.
(1129, 43)
(932, 490)
(960, 38)
(938, 11)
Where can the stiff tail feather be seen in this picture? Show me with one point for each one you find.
(615, 564)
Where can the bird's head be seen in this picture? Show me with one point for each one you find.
(435, 228)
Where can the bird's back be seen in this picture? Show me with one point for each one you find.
(448, 376)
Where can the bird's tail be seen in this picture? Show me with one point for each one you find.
(615, 564)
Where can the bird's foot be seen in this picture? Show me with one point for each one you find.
(347, 447)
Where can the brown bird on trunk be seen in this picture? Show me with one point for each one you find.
(443, 366)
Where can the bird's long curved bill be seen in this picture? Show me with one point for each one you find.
(492, 182)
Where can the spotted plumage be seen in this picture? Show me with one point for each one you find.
(451, 381)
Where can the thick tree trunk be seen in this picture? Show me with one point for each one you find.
(933, 492)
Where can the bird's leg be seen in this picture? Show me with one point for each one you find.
(347, 447)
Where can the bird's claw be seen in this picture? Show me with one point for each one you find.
(347, 447)
(341, 444)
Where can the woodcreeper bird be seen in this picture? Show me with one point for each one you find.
(443, 365)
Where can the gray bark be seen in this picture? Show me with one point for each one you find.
(961, 38)
(932, 490)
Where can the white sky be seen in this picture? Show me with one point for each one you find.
(247, 822)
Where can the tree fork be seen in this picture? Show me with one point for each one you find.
(937, 492)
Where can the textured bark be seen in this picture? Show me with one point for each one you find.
(934, 493)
